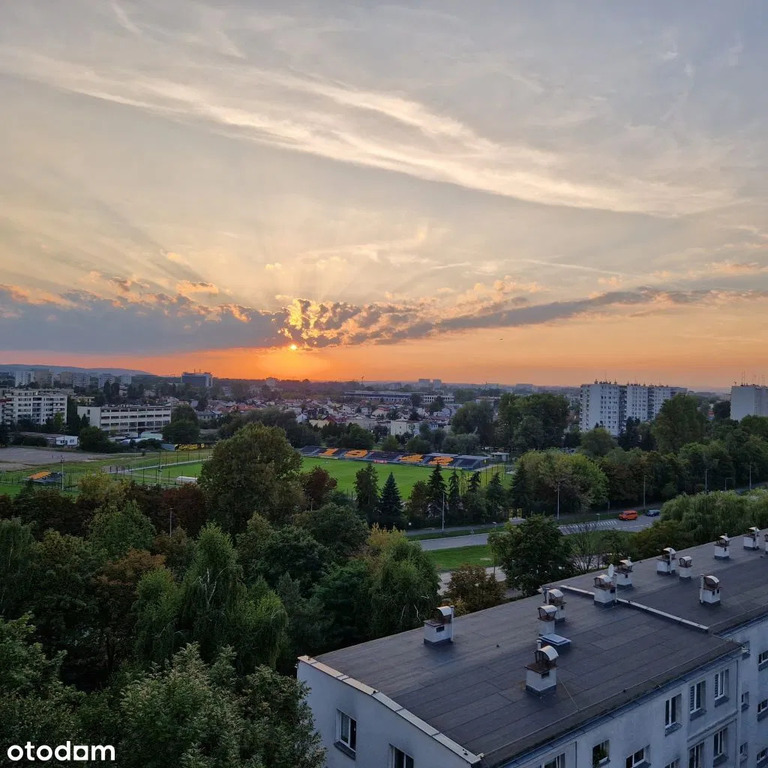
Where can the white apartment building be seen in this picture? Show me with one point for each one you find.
(121, 419)
(35, 405)
(608, 404)
(658, 663)
(748, 400)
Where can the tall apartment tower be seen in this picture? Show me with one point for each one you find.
(608, 404)
(748, 400)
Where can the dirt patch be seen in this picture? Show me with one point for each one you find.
(19, 457)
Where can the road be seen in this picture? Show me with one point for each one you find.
(478, 539)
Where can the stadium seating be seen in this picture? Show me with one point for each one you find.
(328, 453)
(442, 460)
(355, 453)
(412, 458)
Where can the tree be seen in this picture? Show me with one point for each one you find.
(437, 404)
(390, 443)
(454, 497)
(496, 497)
(417, 506)
(721, 410)
(472, 589)
(596, 443)
(293, 551)
(390, 509)
(217, 610)
(475, 418)
(17, 553)
(157, 606)
(678, 422)
(317, 485)
(418, 445)
(630, 435)
(182, 431)
(196, 715)
(117, 529)
(35, 707)
(415, 399)
(531, 554)
(436, 488)
(405, 584)
(345, 592)
(93, 439)
(533, 422)
(338, 528)
(367, 491)
(474, 482)
(45, 508)
(256, 470)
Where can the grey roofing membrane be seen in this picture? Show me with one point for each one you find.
(473, 690)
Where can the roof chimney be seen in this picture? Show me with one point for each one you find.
(555, 597)
(541, 676)
(624, 573)
(752, 539)
(605, 588)
(722, 551)
(686, 566)
(665, 562)
(439, 629)
(709, 591)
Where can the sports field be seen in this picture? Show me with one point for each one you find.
(164, 468)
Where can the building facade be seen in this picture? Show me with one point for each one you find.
(748, 400)
(126, 419)
(34, 405)
(637, 666)
(197, 379)
(609, 405)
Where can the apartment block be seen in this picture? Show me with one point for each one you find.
(658, 663)
(197, 379)
(748, 400)
(608, 404)
(32, 405)
(122, 419)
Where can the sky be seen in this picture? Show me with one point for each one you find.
(548, 192)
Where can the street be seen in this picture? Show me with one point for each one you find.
(453, 542)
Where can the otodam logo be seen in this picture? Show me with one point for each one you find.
(67, 752)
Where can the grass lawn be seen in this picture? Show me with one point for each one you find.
(451, 559)
(405, 477)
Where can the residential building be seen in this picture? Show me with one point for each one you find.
(126, 419)
(608, 404)
(34, 405)
(399, 398)
(43, 377)
(23, 378)
(662, 662)
(81, 379)
(748, 400)
(197, 379)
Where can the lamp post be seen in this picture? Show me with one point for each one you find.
(750, 475)
(706, 483)
(558, 499)
(643, 493)
(442, 516)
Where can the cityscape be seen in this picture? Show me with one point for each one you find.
(382, 384)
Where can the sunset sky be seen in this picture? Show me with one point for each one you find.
(549, 192)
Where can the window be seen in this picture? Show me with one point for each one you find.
(638, 758)
(745, 700)
(697, 698)
(762, 660)
(762, 707)
(673, 764)
(400, 759)
(696, 756)
(743, 750)
(557, 762)
(745, 650)
(672, 709)
(762, 756)
(601, 754)
(721, 685)
(347, 733)
(718, 743)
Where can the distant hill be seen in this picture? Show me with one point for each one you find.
(57, 368)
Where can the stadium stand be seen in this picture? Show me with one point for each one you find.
(310, 450)
(355, 453)
(329, 453)
(383, 457)
(444, 460)
(411, 458)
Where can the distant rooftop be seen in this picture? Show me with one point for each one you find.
(473, 690)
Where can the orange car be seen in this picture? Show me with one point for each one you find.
(628, 514)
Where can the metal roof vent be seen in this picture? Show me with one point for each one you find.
(541, 676)
(555, 597)
(685, 564)
(709, 591)
(547, 634)
(665, 562)
(722, 550)
(605, 587)
(624, 573)
(439, 629)
(752, 539)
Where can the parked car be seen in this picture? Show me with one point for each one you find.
(653, 513)
(628, 514)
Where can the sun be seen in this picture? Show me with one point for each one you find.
(293, 347)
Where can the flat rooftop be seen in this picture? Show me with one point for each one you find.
(743, 582)
(473, 690)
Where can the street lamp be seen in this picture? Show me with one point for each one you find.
(558, 499)
(750, 475)
(725, 483)
(706, 483)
